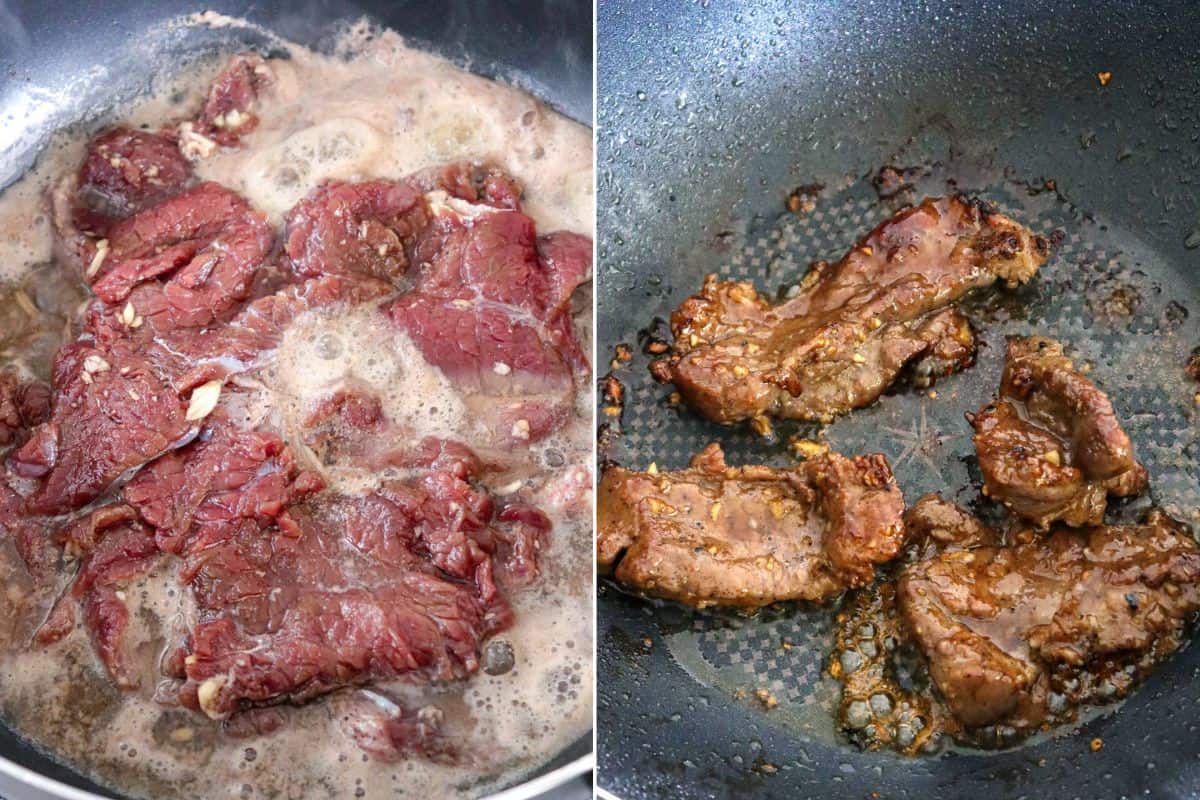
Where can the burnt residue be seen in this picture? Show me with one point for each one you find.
(1192, 367)
(803, 199)
(612, 406)
(892, 182)
(655, 338)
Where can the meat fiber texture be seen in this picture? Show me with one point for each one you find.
(1019, 635)
(1050, 446)
(746, 537)
(855, 326)
(131, 460)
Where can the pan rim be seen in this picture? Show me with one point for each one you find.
(522, 791)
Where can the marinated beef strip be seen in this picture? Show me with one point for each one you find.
(1017, 637)
(1050, 446)
(716, 535)
(989, 634)
(855, 325)
(886, 699)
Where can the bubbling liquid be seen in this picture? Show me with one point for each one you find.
(384, 112)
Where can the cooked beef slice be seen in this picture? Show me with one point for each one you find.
(951, 347)
(115, 548)
(854, 326)
(1017, 637)
(935, 525)
(227, 114)
(1050, 446)
(715, 535)
(125, 171)
(491, 310)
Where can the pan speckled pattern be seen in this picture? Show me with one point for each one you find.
(709, 117)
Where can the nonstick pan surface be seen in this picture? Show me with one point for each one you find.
(710, 115)
(66, 61)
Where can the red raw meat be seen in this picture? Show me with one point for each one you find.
(350, 426)
(235, 90)
(387, 730)
(112, 411)
(205, 243)
(124, 172)
(470, 181)
(116, 548)
(492, 312)
(30, 535)
(355, 229)
(23, 404)
(353, 588)
(196, 496)
(299, 590)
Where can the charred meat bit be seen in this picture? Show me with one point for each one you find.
(1050, 446)
(1193, 365)
(716, 535)
(854, 326)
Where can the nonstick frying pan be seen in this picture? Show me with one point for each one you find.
(62, 61)
(710, 114)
